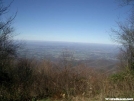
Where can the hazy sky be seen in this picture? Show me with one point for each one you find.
(66, 20)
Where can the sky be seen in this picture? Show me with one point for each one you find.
(86, 21)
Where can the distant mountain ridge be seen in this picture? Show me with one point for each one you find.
(80, 51)
(101, 56)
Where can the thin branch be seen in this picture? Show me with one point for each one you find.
(9, 21)
(4, 9)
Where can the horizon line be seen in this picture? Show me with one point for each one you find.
(67, 42)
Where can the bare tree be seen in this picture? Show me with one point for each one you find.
(8, 50)
(7, 47)
(125, 36)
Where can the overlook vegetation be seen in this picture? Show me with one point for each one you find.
(27, 79)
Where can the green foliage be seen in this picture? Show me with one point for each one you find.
(118, 77)
(122, 76)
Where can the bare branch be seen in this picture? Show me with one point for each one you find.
(4, 9)
(8, 22)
